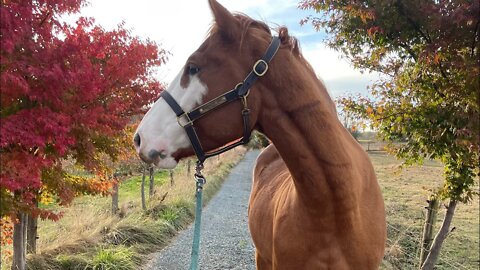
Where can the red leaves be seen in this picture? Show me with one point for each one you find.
(21, 170)
(65, 90)
(36, 127)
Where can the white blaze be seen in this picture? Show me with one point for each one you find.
(159, 129)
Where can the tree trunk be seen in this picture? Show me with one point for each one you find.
(429, 225)
(171, 178)
(144, 174)
(150, 191)
(32, 234)
(434, 253)
(115, 198)
(19, 262)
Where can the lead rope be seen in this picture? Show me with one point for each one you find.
(200, 181)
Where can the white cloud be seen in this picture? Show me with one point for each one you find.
(338, 74)
(180, 27)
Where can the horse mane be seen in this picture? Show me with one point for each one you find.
(247, 23)
(257, 29)
(287, 42)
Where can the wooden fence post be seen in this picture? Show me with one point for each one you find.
(152, 181)
(442, 234)
(115, 197)
(430, 220)
(144, 173)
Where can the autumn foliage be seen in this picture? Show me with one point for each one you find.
(67, 92)
(428, 97)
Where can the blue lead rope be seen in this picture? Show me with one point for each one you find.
(200, 181)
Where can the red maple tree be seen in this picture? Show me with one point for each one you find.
(67, 91)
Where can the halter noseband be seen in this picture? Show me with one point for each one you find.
(241, 91)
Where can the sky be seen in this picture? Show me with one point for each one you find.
(180, 26)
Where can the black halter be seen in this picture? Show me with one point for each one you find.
(240, 91)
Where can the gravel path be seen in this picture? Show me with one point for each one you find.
(225, 241)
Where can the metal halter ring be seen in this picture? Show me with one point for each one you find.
(260, 74)
(240, 85)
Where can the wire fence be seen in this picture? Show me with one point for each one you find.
(403, 250)
(404, 192)
(372, 145)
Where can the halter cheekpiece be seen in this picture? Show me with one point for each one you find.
(241, 91)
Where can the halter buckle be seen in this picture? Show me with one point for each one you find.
(260, 73)
(184, 120)
(244, 102)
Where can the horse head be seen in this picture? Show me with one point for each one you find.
(233, 45)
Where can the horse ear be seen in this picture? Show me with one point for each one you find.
(227, 25)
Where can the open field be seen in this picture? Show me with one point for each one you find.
(405, 193)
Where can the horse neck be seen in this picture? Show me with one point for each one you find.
(300, 119)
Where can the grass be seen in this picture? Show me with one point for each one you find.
(120, 258)
(405, 193)
(90, 237)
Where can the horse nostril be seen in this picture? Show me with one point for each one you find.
(154, 154)
(136, 140)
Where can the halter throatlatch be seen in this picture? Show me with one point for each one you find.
(241, 91)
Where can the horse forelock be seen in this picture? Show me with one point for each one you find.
(246, 24)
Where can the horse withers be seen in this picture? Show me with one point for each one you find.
(315, 201)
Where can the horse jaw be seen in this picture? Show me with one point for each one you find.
(159, 129)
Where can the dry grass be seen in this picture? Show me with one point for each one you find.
(405, 193)
(89, 234)
(89, 216)
(90, 237)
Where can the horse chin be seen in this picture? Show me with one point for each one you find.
(166, 163)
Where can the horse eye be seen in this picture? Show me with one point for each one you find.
(192, 69)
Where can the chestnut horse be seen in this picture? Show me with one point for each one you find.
(315, 200)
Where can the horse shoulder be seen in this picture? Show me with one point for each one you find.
(270, 169)
(267, 157)
(270, 176)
